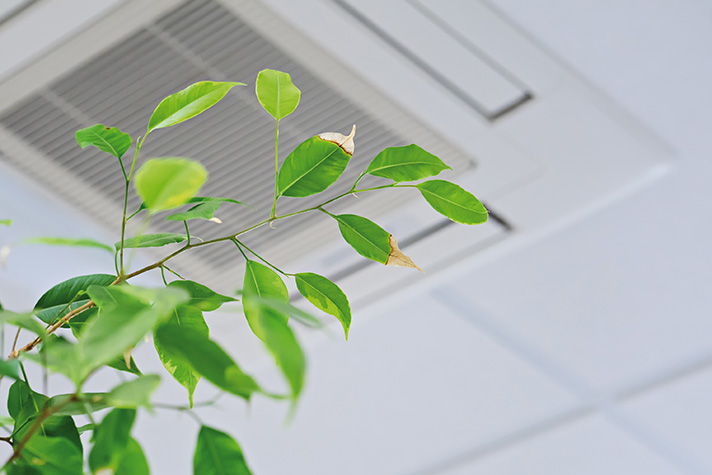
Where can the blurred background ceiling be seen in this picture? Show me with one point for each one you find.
(569, 335)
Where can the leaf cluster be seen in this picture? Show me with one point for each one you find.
(90, 322)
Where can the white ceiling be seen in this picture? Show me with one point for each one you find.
(586, 351)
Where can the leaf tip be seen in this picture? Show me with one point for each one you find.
(345, 142)
(397, 258)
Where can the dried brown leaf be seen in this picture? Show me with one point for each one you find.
(397, 258)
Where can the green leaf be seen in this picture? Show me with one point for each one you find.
(111, 438)
(453, 202)
(407, 163)
(124, 317)
(216, 453)
(10, 368)
(315, 164)
(276, 93)
(22, 320)
(209, 199)
(52, 314)
(206, 358)
(132, 460)
(326, 296)
(71, 242)
(201, 297)
(152, 240)
(134, 393)
(70, 289)
(120, 364)
(165, 183)
(107, 139)
(17, 397)
(5, 222)
(25, 405)
(270, 326)
(6, 421)
(261, 281)
(61, 356)
(279, 306)
(190, 318)
(188, 103)
(366, 237)
(199, 211)
(53, 456)
(90, 402)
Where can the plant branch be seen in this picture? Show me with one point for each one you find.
(44, 415)
(161, 263)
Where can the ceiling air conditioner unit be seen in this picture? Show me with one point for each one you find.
(533, 141)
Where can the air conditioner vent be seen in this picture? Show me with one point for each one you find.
(121, 86)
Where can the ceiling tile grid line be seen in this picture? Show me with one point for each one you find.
(604, 404)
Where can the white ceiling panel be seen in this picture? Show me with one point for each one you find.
(679, 413)
(587, 447)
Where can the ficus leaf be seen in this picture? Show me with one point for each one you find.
(315, 164)
(366, 237)
(10, 368)
(166, 183)
(270, 325)
(132, 461)
(22, 320)
(326, 296)
(135, 393)
(209, 199)
(216, 453)
(70, 407)
(201, 297)
(279, 306)
(107, 139)
(25, 405)
(52, 314)
(70, 289)
(276, 93)
(190, 318)
(200, 211)
(407, 163)
(188, 103)
(124, 317)
(453, 202)
(152, 240)
(71, 242)
(55, 456)
(372, 241)
(261, 281)
(111, 437)
(206, 358)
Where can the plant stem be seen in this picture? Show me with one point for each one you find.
(161, 263)
(187, 233)
(240, 245)
(139, 143)
(276, 171)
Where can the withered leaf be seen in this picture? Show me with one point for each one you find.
(397, 258)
